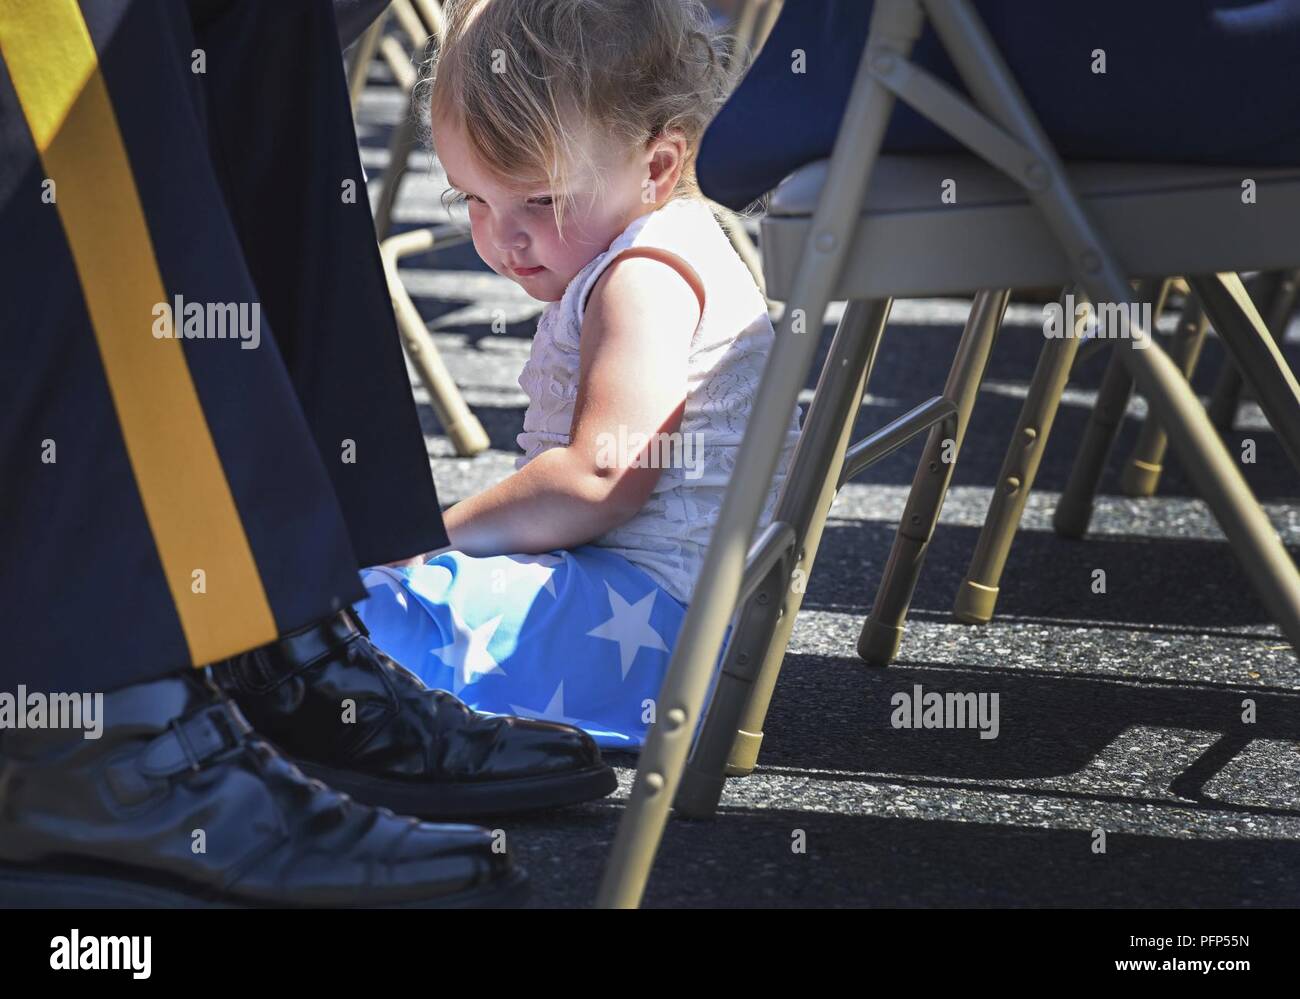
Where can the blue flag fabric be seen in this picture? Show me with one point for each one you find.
(580, 636)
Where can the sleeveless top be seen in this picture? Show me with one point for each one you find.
(668, 537)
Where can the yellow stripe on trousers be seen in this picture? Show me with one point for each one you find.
(55, 70)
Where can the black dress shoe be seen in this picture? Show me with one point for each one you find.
(348, 714)
(178, 803)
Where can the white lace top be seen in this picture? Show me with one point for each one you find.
(667, 538)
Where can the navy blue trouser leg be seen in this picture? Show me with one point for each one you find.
(234, 119)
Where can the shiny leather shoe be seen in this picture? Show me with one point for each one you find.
(178, 803)
(351, 716)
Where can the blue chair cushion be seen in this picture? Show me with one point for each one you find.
(1207, 82)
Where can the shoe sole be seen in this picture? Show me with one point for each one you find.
(37, 888)
(469, 799)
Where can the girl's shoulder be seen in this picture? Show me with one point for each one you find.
(685, 227)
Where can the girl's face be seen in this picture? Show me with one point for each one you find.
(514, 227)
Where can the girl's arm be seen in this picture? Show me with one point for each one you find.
(635, 342)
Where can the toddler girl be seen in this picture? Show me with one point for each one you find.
(569, 127)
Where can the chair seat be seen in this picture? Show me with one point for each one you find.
(1159, 219)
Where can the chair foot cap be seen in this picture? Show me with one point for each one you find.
(744, 754)
(878, 644)
(1072, 516)
(975, 602)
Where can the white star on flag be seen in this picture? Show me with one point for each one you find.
(554, 710)
(467, 654)
(536, 567)
(630, 627)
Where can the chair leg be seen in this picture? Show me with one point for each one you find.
(399, 153)
(894, 29)
(1276, 293)
(363, 53)
(882, 633)
(432, 17)
(978, 594)
(1141, 473)
(457, 419)
(1226, 397)
(1074, 509)
(733, 727)
(1219, 481)
(1255, 354)
(404, 135)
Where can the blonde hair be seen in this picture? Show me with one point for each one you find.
(512, 73)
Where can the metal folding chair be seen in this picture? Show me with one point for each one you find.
(1276, 294)
(977, 596)
(458, 421)
(1074, 511)
(419, 21)
(422, 22)
(1226, 396)
(1255, 352)
(1141, 473)
(978, 593)
(361, 55)
(865, 228)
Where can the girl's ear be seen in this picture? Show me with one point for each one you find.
(665, 160)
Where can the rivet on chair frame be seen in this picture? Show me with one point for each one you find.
(654, 783)
(1030, 435)
(1013, 484)
(825, 242)
(884, 63)
(675, 718)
